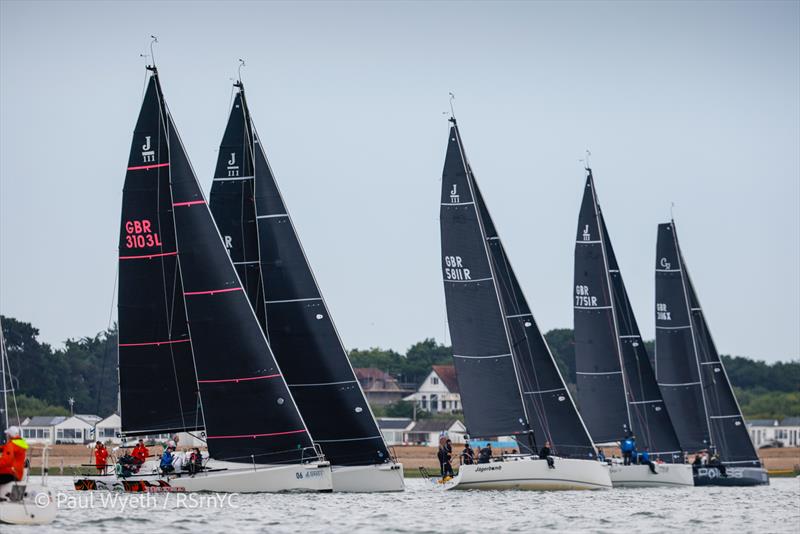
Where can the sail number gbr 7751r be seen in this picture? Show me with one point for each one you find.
(139, 234)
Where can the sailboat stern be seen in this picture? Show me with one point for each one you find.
(640, 476)
(368, 478)
(531, 473)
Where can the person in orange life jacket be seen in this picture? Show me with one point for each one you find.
(100, 457)
(12, 456)
(140, 452)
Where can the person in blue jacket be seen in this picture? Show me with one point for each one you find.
(628, 448)
(166, 460)
(644, 459)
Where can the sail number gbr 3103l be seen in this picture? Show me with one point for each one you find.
(140, 234)
(454, 269)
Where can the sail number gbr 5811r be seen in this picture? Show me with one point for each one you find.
(454, 270)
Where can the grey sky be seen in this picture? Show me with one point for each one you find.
(696, 103)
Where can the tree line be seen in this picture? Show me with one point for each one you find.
(85, 370)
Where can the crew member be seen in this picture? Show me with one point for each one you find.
(467, 455)
(12, 456)
(485, 456)
(644, 459)
(100, 457)
(140, 452)
(166, 460)
(628, 448)
(545, 453)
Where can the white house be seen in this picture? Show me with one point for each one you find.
(108, 429)
(394, 429)
(427, 431)
(41, 428)
(76, 429)
(439, 392)
(770, 432)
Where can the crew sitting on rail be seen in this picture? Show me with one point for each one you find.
(140, 452)
(643, 458)
(715, 461)
(12, 457)
(601, 457)
(166, 460)
(545, 454)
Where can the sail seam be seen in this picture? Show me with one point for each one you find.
(345, 439)
(482, 357)
(544, 391)
(468, 281)
(291, 300)
(519, 315)
(681, 384)
(145, 167)
(236, 380)
(604, 373)
(458, 204)
(723, 416)
(272, 216)
(233, 179)
(212, 291)
(322, 384)
(239, 436)
(168, 342)
(646, 402)
(148, 256)
(596, 242)
(673, 327)
(592, 307)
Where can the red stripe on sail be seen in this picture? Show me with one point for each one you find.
(253, 436)
(189, 203)
(221, 380)
(145, 167)
(211, 292)
(148, 256)
(154, 343)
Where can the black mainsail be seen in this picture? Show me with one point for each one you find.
(617, 388)
(158, 387)
(247, 409)
(299, 326)
(510, 384)
(690, 372)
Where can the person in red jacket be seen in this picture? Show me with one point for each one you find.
(12, 456)
(100, 457)
(140, 452)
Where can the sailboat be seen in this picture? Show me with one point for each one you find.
(186, 327)
(692, 377)
(510, 384)
(22, 502)
(280, 285)
(617, 390)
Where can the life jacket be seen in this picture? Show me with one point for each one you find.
(12, 458)
(140, 452)
(627, 445)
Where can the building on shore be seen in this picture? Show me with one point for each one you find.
(380, 387)
(59, 429)
(775, 433)
(394, 429)
(439, 392)
(428, 431)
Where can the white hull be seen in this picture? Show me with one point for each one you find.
(228, 477)
(639, 476)
(368, 478)
(529, 473)
(38, 507)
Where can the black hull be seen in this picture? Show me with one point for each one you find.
(735, 476)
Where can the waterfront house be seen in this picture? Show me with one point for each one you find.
(439, 392)
(380, 387)
(41, 428)
(76, 429)
(427, 431)
(108, 429)
(775, 433)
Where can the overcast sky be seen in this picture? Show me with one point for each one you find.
(692, 103)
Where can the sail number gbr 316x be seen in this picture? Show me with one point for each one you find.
(140, 234)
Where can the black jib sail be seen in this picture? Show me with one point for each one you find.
(248, 411)
(510, 384)
(617, 392)
(690, 372)
(299, 327)
(158, 388)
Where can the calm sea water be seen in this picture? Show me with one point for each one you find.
(765, 509)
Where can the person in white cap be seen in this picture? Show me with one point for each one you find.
(12, 456)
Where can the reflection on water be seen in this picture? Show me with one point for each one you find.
(774, 508)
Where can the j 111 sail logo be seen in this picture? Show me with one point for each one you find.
(454, 196)
(586, 235)
(140, 234)
(233, 167)
(148, 154)
(583, 299)
(662, 314)
(454, 269)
